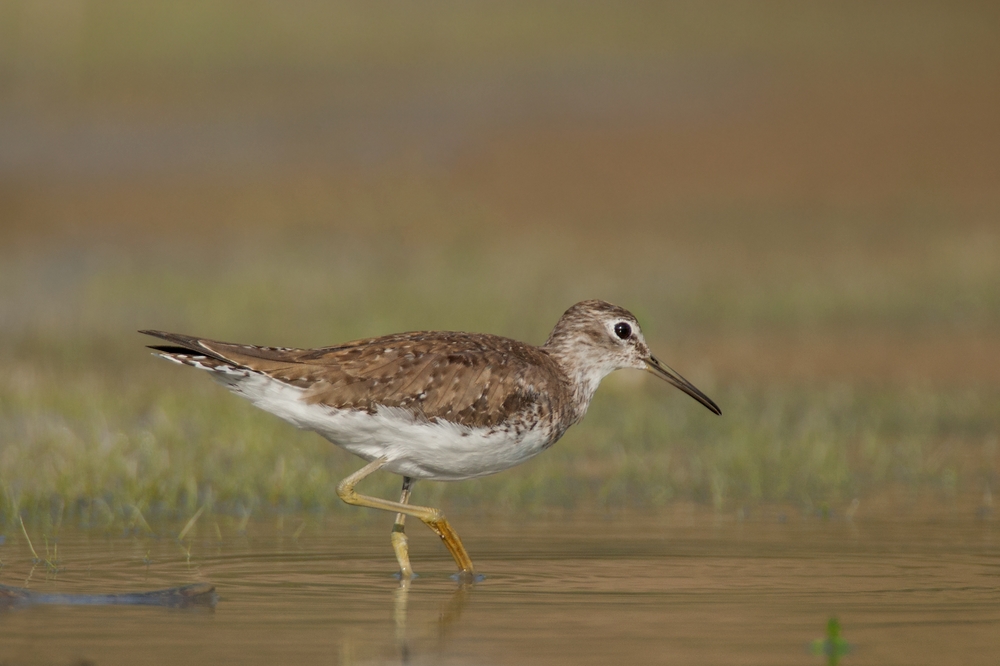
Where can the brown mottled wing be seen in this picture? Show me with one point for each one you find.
(472, 379)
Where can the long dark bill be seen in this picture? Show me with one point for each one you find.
(663, 371)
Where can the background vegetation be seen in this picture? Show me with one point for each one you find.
(799, 201)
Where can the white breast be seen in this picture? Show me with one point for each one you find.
(414, 447)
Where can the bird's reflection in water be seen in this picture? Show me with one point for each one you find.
(407, 635)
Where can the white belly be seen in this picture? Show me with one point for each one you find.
(414, 447)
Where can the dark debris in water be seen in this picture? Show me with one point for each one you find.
(196, 595)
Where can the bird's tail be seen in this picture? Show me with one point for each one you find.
(189, 350)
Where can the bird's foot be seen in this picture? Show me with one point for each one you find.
(465, 576)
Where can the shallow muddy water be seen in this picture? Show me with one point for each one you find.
(700, 589)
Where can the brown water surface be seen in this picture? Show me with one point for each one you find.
(700, 589)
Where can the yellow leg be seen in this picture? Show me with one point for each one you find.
(433, 518)
(399, 540)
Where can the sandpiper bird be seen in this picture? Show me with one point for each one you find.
(434, 405)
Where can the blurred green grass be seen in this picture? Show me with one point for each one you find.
(798, 200)
(88, 419)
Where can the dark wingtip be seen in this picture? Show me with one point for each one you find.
(170, 349)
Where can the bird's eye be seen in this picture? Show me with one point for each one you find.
(623, 330)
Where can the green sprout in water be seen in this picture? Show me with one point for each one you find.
(833, 646)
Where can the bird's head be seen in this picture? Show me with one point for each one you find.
(594, 338)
